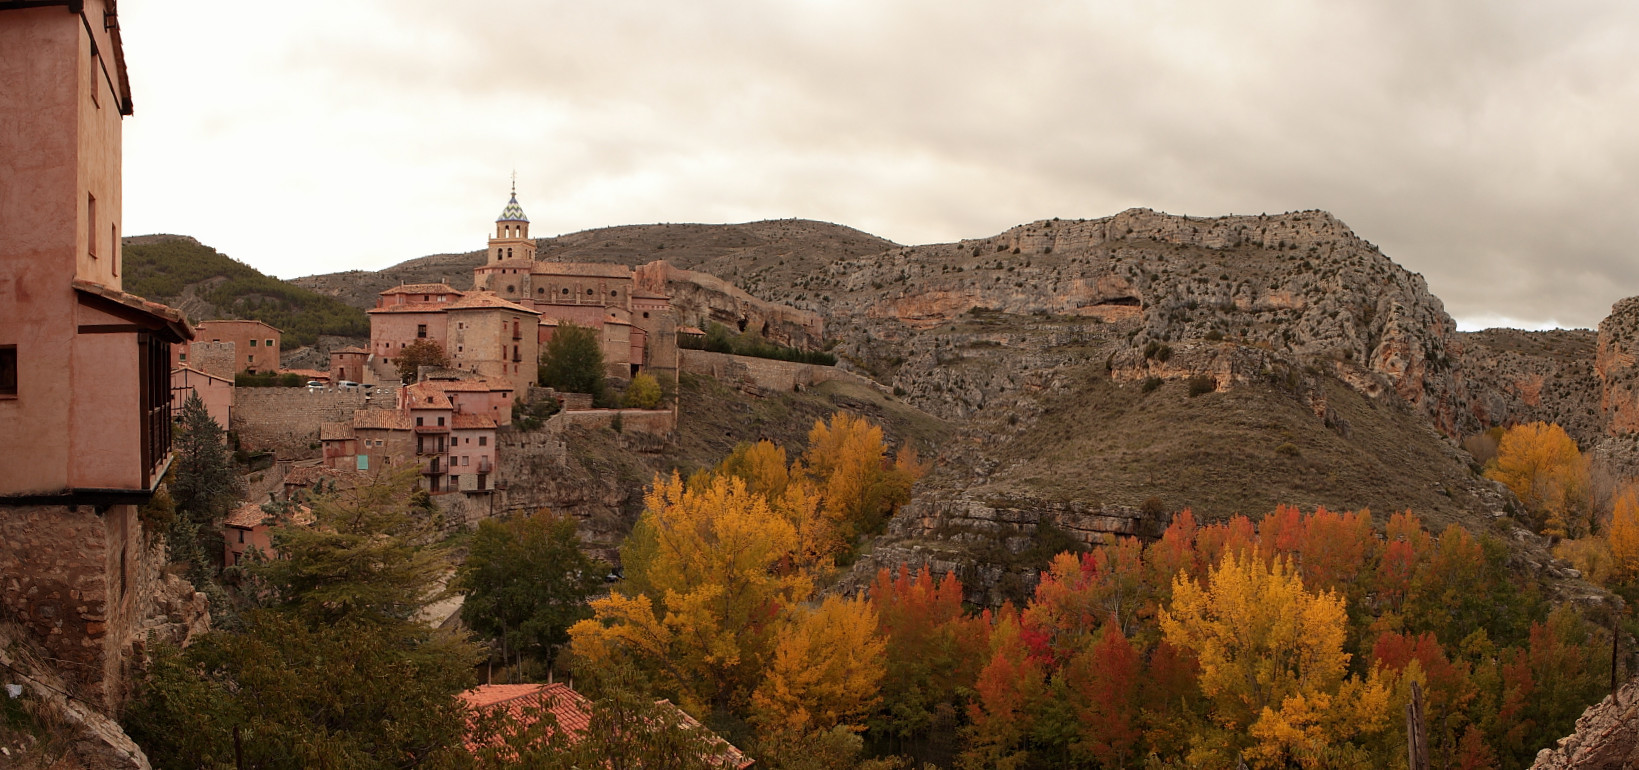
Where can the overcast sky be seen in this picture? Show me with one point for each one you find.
(1490, 145)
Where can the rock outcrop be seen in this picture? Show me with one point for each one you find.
(1606, 737)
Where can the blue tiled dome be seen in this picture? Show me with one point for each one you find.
(513, 212)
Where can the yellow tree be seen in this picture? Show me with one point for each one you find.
(1623, 536)
(848, 461)
(1271, 662)
(826, 670)
(1545, 470)
(709, 568)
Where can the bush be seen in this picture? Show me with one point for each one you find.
(1151, 383)
(1288, 449)
(642, 393)
(1201, 384)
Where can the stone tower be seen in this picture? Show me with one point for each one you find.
(511, 239)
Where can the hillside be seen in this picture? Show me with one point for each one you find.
(206, 284)
(750, 255)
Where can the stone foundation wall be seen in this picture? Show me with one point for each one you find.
(286, 420)
(89, 588)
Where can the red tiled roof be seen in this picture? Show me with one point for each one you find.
(217, 321)
(413, 307)
(185, 367)
(481, 385)
(335, 431)
(423, 288)
(426, 395)
(482, 300)
(351, 349)
(305, 475)
(381, 419)
(251, 515)
(574, 712)
(464, 421)
(690, 330)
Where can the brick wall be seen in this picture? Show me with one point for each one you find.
(286, 420)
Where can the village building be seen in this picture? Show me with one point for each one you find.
(85, 368)
(446, 426)
(255, 344)
(351, 364)
(635, 323)
(250, 528)
(479, 332)
(215, 392)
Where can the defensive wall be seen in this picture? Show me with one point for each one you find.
(286, 420)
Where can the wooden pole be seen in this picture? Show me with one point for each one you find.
(1416, 732)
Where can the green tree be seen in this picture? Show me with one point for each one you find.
(373, 555)
(204, 483)
(573, 361)
(642, 393)
(418, 354)
(334, 672)
(527, 582)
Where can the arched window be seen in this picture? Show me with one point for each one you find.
(509, 253)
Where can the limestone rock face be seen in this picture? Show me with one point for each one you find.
(1299, 287)
(1614, 365)
(1606, 737)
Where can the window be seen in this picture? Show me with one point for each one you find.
(267, 343)
(464, 459)
(441, 441)
(566, 291)
(250, 359)
(588, 292)
(8, 371)
(645, 314)
(614, 293)
(418, 422)
(510, 289)
(483, 440)
(91, 225)
(183, 357)
(420, 332)
(253, 343)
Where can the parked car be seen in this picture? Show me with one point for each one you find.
(315, 385)
(348, 385)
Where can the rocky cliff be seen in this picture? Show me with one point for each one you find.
(1606, 737)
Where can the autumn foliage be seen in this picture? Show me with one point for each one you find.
(1292, 641)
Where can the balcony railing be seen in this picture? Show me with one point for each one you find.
(484, 465)
(433, 467)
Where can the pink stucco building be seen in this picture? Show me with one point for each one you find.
(216, 393)
(85, 384)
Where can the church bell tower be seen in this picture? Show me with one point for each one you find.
(511, 239)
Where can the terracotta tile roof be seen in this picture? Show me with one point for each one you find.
(691, 330)
(481, 385)
(583, 269)
(236, 322)
(183, 368)
(483, 300)
(426, 395)
(549, 321)
(306, 475)
(170, 317)
(381, 419)
(312, 374)
(413, 307)
(251, 515)
(351, 349)
(423, 288)
(464, 421)
(574, 712)
(335, 431)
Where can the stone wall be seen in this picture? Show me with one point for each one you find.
(764, 374)
(90, 590)
(213, 358)
(286, 420)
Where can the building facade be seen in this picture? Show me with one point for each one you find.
(255, 344)
(85, 385)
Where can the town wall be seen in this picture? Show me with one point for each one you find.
(286, 420)
(766, 374)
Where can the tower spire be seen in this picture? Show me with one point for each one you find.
(515, 183)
